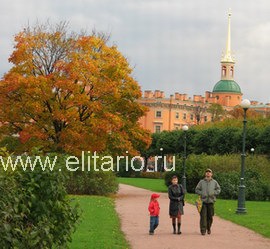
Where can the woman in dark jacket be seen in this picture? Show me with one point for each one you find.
(176, 195)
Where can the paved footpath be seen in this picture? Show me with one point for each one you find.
(132, 207)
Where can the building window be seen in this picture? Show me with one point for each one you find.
(158, 114)
(223, 71)
(177, 115)
(191, 116)
(184, 116)
(157, 128)
(205, 118)
(231, 71)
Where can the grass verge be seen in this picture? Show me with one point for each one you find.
(146, 183)
(99, 225)
(256, 219)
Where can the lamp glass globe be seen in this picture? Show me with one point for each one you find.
(245, 103)
(185, 128)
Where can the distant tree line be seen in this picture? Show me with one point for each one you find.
(221, 138)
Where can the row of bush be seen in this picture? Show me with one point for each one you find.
(226, 171)
(212, 139)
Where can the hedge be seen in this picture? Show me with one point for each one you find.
(226, 171)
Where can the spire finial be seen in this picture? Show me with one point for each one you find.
(229, 12)
(228, 55)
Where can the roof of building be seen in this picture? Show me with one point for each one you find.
(259, 106)
(227, 86)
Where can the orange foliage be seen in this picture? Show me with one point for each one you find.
(73, 92)
(238, 113)
(24, 136)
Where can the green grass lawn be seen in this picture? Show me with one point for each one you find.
(146, 183)
(257, 218)
(99, 226)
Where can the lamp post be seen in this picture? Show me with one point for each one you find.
(241, 209)
(252, 151)
(161, 166)
(184, 180)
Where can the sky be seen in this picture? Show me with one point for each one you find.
(173, 45)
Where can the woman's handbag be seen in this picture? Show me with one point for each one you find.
(198, 204)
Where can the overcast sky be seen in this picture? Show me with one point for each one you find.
(173, 45)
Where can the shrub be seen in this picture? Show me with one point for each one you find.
(229, 182)
(227, 140)
(152, 175)
(204, 141)
(226, 169)
(127, 170)
(35, 211)
(264, 142)
(256, 188)
(11, 143)
(89, 181)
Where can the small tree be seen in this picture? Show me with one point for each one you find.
(198, 111)
(238, 113)
(216, 111)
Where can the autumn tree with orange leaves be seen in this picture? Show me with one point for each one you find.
(71, 92)
(238, 113)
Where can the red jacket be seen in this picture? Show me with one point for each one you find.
(154, 208)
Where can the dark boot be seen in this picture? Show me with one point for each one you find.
(174, 228)
(179, 228)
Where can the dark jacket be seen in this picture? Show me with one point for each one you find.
(208, 190)
(176, 195)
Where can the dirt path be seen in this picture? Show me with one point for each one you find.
(132, 204)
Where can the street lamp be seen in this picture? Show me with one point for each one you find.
(161, 166)
(241, 209)
(252, 151)
(184, 182)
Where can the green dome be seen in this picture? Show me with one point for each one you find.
(227, 86)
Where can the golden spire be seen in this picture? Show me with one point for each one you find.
(227, 57)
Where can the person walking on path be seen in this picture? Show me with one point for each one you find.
(154, 213)
(176, 208)
(208, 189)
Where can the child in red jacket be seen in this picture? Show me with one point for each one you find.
(154, 213)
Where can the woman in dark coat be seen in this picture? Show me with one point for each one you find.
(176, 195)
